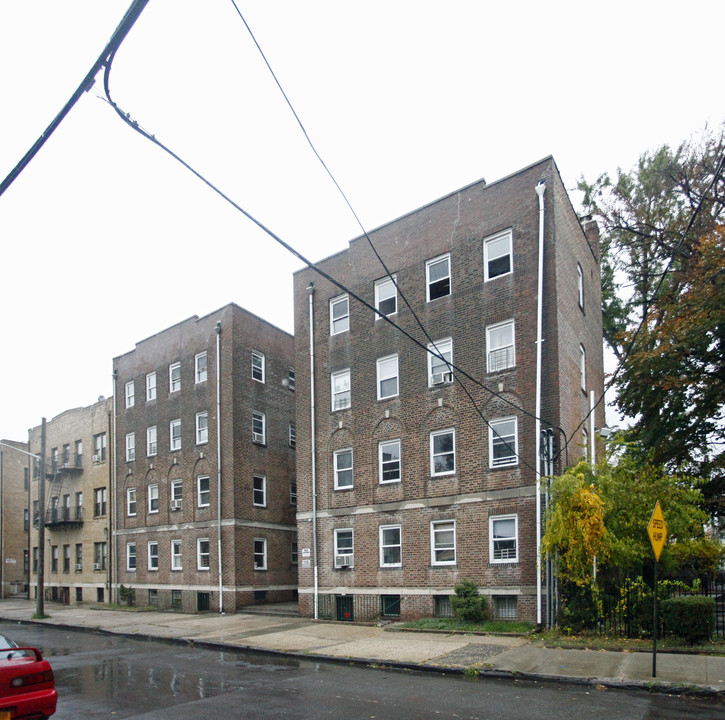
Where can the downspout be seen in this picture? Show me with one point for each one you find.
(311, 292)
(592, 428)
(540, 189)
(114, 484)
(219, 463)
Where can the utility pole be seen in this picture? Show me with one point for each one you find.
(40, 600)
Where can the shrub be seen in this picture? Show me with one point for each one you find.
(127, 595)
(692, 617)
(467, 604)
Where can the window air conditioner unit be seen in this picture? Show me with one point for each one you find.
(343, 561)
(258, 438)
(96, 566)
(441, 378)
(79, 567)
(176, 504)
(96, 458)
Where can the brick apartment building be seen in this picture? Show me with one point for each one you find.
(190, 532)
(77, 509)
(423, 467)
(15, 469)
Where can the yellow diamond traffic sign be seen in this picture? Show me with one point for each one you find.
(657, 530)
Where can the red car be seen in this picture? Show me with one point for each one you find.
(27, 685)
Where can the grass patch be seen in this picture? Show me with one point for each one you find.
(451, 625)
(595, 641)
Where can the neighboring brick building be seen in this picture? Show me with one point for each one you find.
(424, 476)
(77, 509)
(15, 471)
(169, 485)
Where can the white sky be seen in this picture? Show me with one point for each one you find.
(105, 240)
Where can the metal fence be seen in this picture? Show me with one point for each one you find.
(358, 608)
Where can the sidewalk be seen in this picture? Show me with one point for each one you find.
(491, 655)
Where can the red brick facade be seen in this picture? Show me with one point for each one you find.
(490, 322)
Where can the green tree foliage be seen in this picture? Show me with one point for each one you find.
(467, 604)
(663, 275)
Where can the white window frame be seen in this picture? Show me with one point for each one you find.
(381, 532)
(341, 398)
(258, 367)
(292, 435)
(130, 502)
(385, 290)
(291, 379)
(433, 454)
(491, 541)
(153, 499)
(174, 441)
(202, 428)
(437, 546)
(436, 366)
(130, 446)
(202, 557)
(387, 369)
(152, 444)
(497, 436)
(151, 386)
(130, 393)
(345, 550)
(153, 555)
(583, 368)
(338, 470)
(177, 490)
(263, 566)
(176, 555)
(259, 490)
(293, 492)
(174, 377)
(495, 365)
(131, 553)
(201, 494)
(201, 368)
(487, 259)
(341, 323)
(259, 427)
(382, 463)
(580, 285)
(428, 282)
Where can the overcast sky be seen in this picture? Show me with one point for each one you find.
(106, 240)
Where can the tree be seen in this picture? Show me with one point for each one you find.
(663, 275)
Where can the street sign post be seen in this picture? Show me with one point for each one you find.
(657, 531)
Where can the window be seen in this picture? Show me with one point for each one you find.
(35, 559)
(585, 444)
(292, 435)
(99, 446)
(176, 555)
(390, 605)
(505, 607)
(54, 559)
(440, 357)
(497, 255)
(151, 444)
(200, 372)
(79, 453)
(386, 297)
(443, 542)
(293, 493)
(153, 494)
(503, 538)
(202, 554)
(501, 347)
(390, 546)
(129, 392)
(438, 275)
(389, 461)
(339, 315)
(131, 502)
(153, 598)
(583, 367)
(257, 366)
(259, 430)
(175, 435)
(176, 494)
(66, 455)
(387, 377)
(130, 447)
(151, 386)
(131, 557)
(443, 452)
(100, 497)
(293, 553)
(202, 490)
(259, 490)
(202, 428)
(340, 383)
(260, 553)
(291, 379)
(79, 557)
(26, 519)
(66, 558)
(36, 512)
(580, 285)
(503, 442)
(343, 469)
(344, 551)
(153, 555)
(174, 377)
(176, 599)
(100, 555)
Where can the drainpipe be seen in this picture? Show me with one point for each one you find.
(540, 189)
(311, 292)
(219, 462)
(114, 483)
(592, 428)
